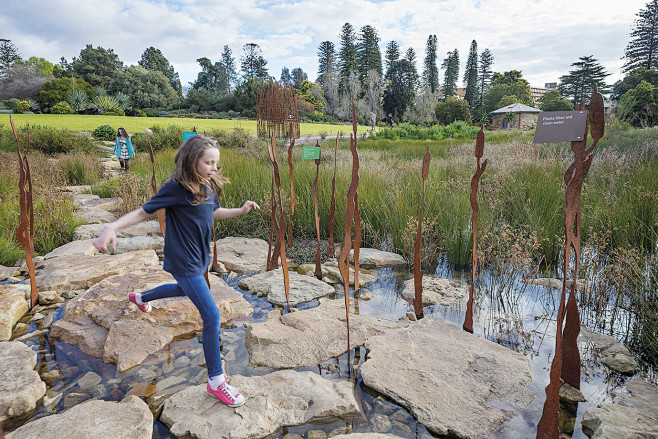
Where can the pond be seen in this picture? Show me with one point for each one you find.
(517, 315)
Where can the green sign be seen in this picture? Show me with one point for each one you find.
(310, 153)
(187, 135)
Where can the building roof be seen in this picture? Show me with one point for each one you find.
(516, 108)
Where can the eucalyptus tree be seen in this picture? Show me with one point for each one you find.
(430, 69)
(347, 55)
(368, 55)
(642, 50)
(450, 66)
(471, 76)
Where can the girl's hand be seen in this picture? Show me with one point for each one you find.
(246, 207)
(108, 236)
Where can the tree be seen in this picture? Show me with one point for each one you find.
(430, 70)
(372, 93)
(326, 61)
(298, 77)
(508, 78)
(213, 78)
(642, 50)
(423, 110)
(145, 88)
(638, 105)
(451, 75)
(246, 96)
(368, 55)
(57, 89)
(392, 54)
(484, 73)
(228, 63)
(554, 101)
(22, 81)
(285, 78)
(452, 109)
(8, 54)
(632, 80)
(96, 65)
(252, 62)
(312, 93)
(471, 76)
(40, 66)
(153, 59)
(578, 83)
(495, 93)
(347, 55)
(401, 79)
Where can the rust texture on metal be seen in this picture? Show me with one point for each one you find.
(565, 366)
(292, 192)
(314, 189)
(25, 230)
(281, 222)
(475, 181)
(357, 215)
(278, 112)
(418, 272)
(343, 259)
(271, 259)
(332, 207)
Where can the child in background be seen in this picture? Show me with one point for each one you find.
(123, 148)
(190, 199)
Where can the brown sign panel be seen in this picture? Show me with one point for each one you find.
(560, 126)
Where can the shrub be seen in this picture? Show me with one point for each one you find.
(108, 103)
(61, 108)
(133, 112)
(46, 140)
(160, 139)
(104, 132)
(93, 111)
(151, 112)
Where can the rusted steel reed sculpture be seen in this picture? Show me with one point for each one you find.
(343, 259)
(332, 207)
(293, 199)
(25, 231)
(280, 222)
(314, 189)
(418, 272)
(475, 181)
(566, 362)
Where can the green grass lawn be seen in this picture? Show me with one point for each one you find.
(80, 122)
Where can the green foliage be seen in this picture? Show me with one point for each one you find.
(144, 88)
(108, 103)
(455, 130)
(495, 93)
(169, 138)
(632, 80)
(61, 108)
(638, 106)
(642, 49)
(252, 62)
(78, 99)
(453, 109)
(578, 83)
(246, 97)
(58, 89)
(41, 65)
(97, 66)
(508, 78)
(554, 101)
(104, 132)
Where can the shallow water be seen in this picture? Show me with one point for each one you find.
(519, 316)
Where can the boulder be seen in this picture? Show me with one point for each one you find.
(20, 385)
(556, 283)
(610, 351)
(633, 413)
(75, 272)
(13, 306)
(307, 338)
(270, 284)
(5, 272)
(95, 215)
(80, 247)
(94, 201)
(127, 245)
(103, 323)
(128, 419)
(436, 291)
(91, 231)
(283, 398)
(463, 386)
(242, 255)
(373, 258)
(330, 268)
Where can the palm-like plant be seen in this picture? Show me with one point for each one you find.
(78, 99)
(122, 100)
(34, 105)
(107, 103)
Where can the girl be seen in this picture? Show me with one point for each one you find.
(123, 148)
(190, 198)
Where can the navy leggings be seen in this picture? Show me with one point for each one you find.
(196, 288)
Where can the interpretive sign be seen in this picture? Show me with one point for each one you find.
(187, 135)
(560, 126)
(310, 153)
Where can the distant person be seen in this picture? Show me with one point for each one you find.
(373, 119)
(123, 148)
(191, 202)
(389, 119)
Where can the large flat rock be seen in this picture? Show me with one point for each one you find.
(76, 272)
(633, 413)
(103, 323)
(91, 231)
(610, 351)
(283, 398)
(307, 338)
(13, 306)
(436, 291)
(20, 385)
(452, 382)
(95, 215)
(128, 419)
(242, 255)
(270, 283)
(373, 258)
(124, 245)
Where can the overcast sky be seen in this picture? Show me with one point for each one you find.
(539, 37)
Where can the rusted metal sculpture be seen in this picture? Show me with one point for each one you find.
(566, 362)
(292, 191)
(418, 273)
(314, 189)
(475, 181)
(25, 231)
(332, 207)
(343, 259)
(281, 222)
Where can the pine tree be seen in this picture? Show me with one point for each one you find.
(252, 62)
(412, 75)
(392, 54)
(642, 50)
(298, 77)
(484, 74)
(285, 78)
(368, 55)
(451, 67)
(471, 76)
(577, 84)
(430, 70)
(347, 63)
(326, 61)
(8, 54)
(228, 62)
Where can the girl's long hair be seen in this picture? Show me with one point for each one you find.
(185, 173)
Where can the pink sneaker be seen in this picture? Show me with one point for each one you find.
(229, 395)
(145, 308)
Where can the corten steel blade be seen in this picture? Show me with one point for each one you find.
(479, 152)
(281, 231)
(566, 362)
(25, 230)
(292, 192)
(154, 186)
(314, 189)
(357, 216)
(418, 272)
(273, 226)
(332, 207)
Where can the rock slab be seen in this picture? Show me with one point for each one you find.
(373, 258)
(128, 419)
(20, 385)
(463, 386)
(611, 352)
(436, 291)
(13, 306)
(283, 398)
(242, 255)
(270, 283)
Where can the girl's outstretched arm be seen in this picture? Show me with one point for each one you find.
(109, 232)
(223, 213)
